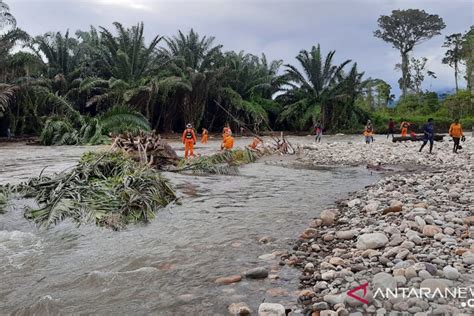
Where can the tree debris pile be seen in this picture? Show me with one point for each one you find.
(146, 148)
(225, 162)
(108, 188)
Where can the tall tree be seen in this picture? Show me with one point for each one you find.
(468, 57)
(6, 18)
(316, 91)
(454, 54)
(192, 59)
(405, 29)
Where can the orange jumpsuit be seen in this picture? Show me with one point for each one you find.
(228, 142)
(255, 143)
(189, 140)
(404, 127)
(204, 136)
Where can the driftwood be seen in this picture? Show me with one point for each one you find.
(416, 138)
(147, 148)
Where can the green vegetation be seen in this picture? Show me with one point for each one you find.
(224, 163)
(109, 189)
(78, 88)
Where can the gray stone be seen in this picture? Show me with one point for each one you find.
(371, 241)
(434, 284)
(346, 234)
(271, 309)
(333, 299)
(320, 306)
(383, 280)
(451, 273)
(256, 273)
(424, 275)
(239, 309)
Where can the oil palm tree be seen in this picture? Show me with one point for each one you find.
(192, 60)
(310, 92)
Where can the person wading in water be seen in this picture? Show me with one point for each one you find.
(189, 140)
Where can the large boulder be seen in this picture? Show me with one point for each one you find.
(371, 241)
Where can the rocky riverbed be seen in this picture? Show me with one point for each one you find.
(410, 230)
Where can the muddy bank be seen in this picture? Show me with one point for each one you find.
(410, 230)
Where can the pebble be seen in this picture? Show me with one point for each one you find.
(398, 232)
(256, 273)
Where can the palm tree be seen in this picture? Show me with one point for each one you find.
(247, 87)
(192, 59)
(125, 56)
(310, 92)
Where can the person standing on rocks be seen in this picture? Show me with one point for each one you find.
(369, 132)
(318, 129)
(404, 128)
(391, 128)
(455, 131)
(428, 135)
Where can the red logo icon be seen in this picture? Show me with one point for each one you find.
(363, 287)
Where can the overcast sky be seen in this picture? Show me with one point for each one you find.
(278, 28)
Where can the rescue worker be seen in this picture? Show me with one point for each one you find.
(204, 136)
(428, 135)
(189, 140)
(256, 141)
(369, 132)
(228, 142)
(404, 128)
(455, 131)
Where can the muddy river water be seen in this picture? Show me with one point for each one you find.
(167, 267)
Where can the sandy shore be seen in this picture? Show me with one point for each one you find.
(408, 231)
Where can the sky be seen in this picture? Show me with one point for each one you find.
(278, 28)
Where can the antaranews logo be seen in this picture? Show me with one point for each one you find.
(463, 294)
(363, 288)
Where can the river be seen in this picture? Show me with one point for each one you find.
(167, 267)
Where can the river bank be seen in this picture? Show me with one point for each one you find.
(223, 225)
(409, 230)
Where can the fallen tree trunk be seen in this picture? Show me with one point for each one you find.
(419, 137)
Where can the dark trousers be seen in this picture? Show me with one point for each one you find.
(456, 144)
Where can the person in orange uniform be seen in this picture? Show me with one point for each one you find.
(256, 141)
(228, 142)
(189, 140)
(204, 136)
(404, 128)
(455, 131)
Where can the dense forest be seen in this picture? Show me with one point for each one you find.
(78, 88)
